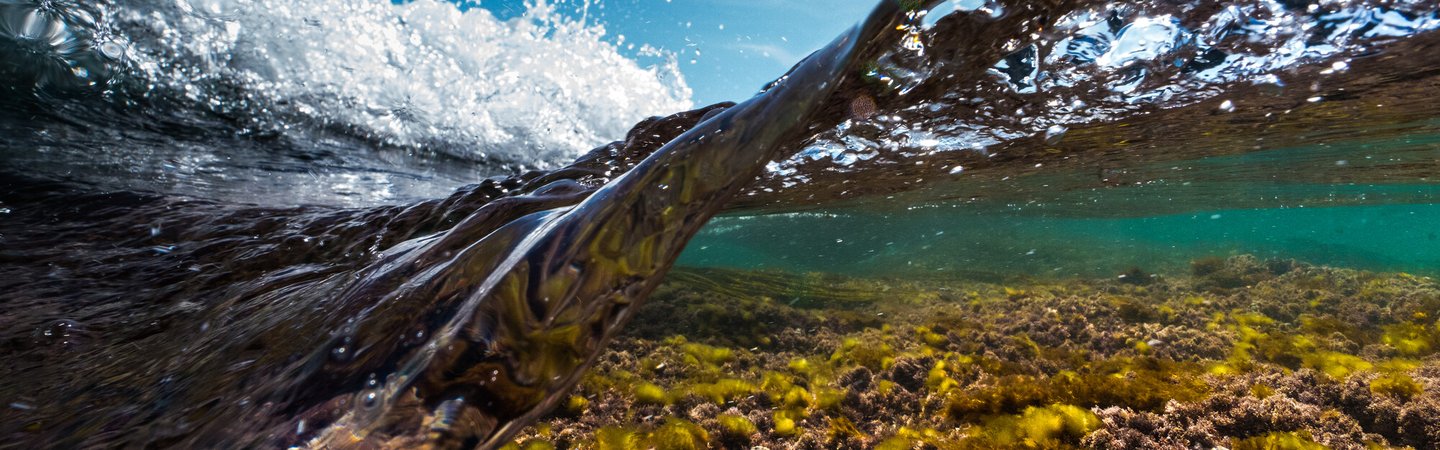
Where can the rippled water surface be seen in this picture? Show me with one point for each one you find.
(237, 223)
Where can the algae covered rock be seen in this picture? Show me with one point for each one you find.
(1243, 353)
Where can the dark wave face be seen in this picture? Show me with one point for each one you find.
(234, 224)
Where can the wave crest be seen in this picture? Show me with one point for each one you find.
(531, 91)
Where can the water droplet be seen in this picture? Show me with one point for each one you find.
(112, 49)
(340, 353)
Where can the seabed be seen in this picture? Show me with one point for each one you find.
(1240, 353)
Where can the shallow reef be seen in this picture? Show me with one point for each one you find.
(1240, 353)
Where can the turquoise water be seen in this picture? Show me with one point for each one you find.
(946, 242)
(1369, 204)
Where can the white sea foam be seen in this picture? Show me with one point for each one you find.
(531, 91)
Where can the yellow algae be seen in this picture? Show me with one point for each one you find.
(1397, 365)
(785, 423)
(708, 354)
(735, 425)
(930, 337)
(1117, 382)
(1396, 385)
(896, 443)
(1409, 338)
(1335, 364)
(842, 429)
(1261, 391)
(651, 393)
(796, 397)
(678, 434)
(1042, 427)
(1024, 341)
(722, 391)
(1142, 346)
(576, 404)
(875, 356)
(616, 438)
(1279, 441)
(776, 384)
(538, 445)
(801, 366)
(828, 399)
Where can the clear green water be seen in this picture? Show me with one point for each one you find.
(1369, 205)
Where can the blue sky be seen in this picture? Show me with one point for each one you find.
(736, 45)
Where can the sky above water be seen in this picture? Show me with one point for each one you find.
(727, 49)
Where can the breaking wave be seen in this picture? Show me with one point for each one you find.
(533, 91)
